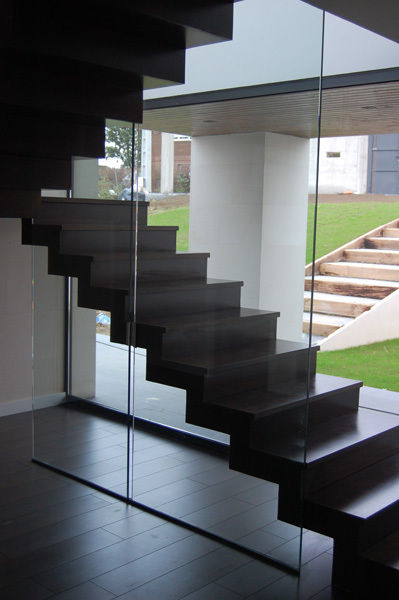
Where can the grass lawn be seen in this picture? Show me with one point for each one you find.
(341, 223)
(177, 216)
(377, 365)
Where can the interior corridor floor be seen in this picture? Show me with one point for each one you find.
(61, 539)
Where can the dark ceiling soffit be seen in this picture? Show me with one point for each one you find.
(273, 89)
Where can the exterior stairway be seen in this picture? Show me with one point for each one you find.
(239, 378)
(353, 280)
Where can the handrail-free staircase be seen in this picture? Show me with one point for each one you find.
(65, 67)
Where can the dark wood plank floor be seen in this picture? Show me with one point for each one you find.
(60, 539)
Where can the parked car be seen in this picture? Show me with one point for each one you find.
(127, 195)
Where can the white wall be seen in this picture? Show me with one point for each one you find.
(346, 173)
(280, 40)
(248, 208)
(16, 320)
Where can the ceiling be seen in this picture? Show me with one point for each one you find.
(380, 16)
(346, 110)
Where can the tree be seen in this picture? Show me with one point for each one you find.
(118, 144)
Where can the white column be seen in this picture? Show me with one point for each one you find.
(146, 158)
(83, 343)
(226, 207)
(248, 208)
(167, 163)
(284, 224)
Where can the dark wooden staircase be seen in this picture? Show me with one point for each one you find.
(337, 465)
(65, 67)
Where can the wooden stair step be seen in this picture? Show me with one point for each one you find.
(363, 270)
(373, 255)
(94, 239)
(217, 329)
(363, 506)
(211, 362)
(115, 270)
(351, 286)
(62, 211)
(335, 448)
(379, 569)
(288, 396)
(324, 324)
(389, 243)
(336, 304)
(391, 232)
(182, 297)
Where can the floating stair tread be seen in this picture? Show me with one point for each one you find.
(111, 227)
(327, 319)
(364, 493)
(223, 359)
(357, 281)
(156, 287)
(330, 437)
(325, 296)
(93, 201)
(264, 402)
(386, 552)
(148, 255)
(207, 319)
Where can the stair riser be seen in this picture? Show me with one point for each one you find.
(221, 335)
(362, 271)
(352, 460)
(391, 232)
(187, 301)
(80, 214)
(382, 242)
(343, 309)
(323, 329)
(118, 273)
(291, 366)
(372, 256)
(92, 242)
(350, 289)
(288, 421)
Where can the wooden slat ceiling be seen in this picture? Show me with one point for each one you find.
(354, 110)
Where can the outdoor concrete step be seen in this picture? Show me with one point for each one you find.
(372, 255)
(351, 286)
(335, 304)
(324, 325)
(364, 270)
(391, 232)
(390, 243)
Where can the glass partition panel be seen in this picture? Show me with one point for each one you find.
(355, 303)
(223, 370)
(83, 272)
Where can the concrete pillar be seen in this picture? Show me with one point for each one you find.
(146, 158)
(85, 177)
(167, 163)
(226, 207)
(248, 207)
(284, 224)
